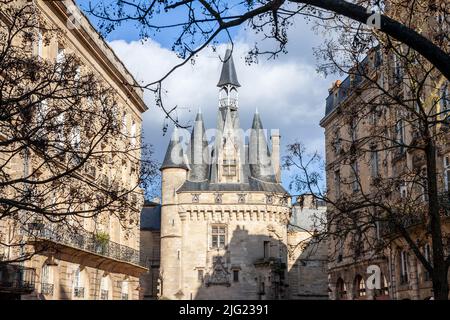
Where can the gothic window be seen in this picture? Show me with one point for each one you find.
(195, 197)
(403, 267)
(269, 199)
(241, 197)
(360, 286)
(341, 290)
(218, 236)
(218, 198)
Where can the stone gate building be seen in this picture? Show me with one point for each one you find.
(224, 212)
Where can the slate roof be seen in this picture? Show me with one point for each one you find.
(228, 74)
(151, 217)
(254, 166)
(175, 157)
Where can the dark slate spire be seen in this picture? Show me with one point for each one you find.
(259, 154)
(198, 152)
(175, 157)
(228, 75)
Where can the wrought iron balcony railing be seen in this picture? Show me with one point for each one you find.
(47, 288)
(78, 292)
(103, 294)
(86, 241)
(16, 278)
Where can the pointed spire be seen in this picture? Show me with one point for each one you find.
(198, 151)
(175, 157)
(228, 74)
(259, 153)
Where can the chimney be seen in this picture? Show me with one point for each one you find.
(275, 138)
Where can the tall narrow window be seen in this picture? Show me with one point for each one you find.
(403, 267)
(398, 72)
(374, 163)
(444, 101)
(124, 290)
(447, 173)
(218, 236)
(133, 133)
(355, 176)
(400, 134)
(266, 249)
(46, 280)
(104, 288)
(60, 56)
(337, 183)
(427, 255)
(78, 288)
(236, 275)
(40, 45)
(124, 123)
(200, 275)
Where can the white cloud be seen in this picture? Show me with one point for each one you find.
(287, 92)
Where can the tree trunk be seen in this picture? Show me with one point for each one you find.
(440, 270)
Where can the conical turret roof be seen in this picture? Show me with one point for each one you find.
(175, 157)
(228, 74)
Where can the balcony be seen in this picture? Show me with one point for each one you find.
(103, 294)
(91, 249)
(47, 288)
(229, 102)
(16, 279)
(78, 292)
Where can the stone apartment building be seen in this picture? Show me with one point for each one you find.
(224, 213)
(80, 265)
(402, 275)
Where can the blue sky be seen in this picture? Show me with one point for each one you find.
(288, 92)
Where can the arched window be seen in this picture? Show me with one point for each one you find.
(384, 290)
(404, 259)
(360, 287)
(341, 290)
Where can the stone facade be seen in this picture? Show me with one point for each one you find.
(402, 275)
(72, 266)
(308, 256)
(224, 213)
